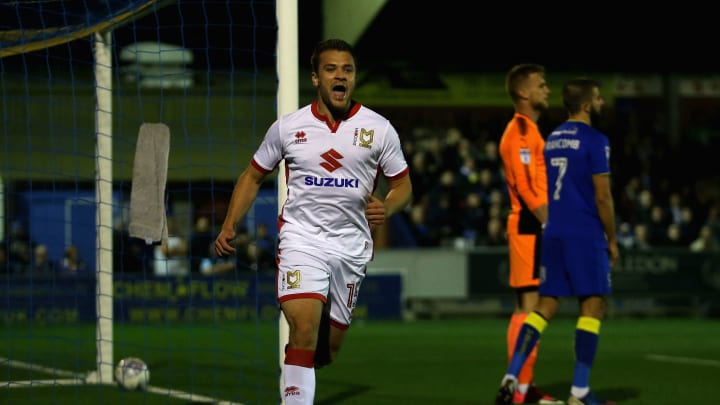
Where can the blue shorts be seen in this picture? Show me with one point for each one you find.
(574, 267)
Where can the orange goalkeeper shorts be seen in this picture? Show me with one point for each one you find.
(524, 260)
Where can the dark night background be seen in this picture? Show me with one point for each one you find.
(448, 35)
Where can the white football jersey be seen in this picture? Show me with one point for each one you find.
(330, 172)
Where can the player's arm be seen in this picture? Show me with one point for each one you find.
(541, 213)
(243, 196)
(525, 185)
(606, 211)
(396, 200)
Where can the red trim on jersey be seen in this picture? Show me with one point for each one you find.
(400, 175)
(354, 108)
(260, 168)
(300, 357)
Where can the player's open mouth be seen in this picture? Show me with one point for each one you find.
(339, 92)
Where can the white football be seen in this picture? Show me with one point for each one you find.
(131, 373)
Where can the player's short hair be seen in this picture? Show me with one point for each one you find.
(577, 92)
(517, 76)
(332, 44)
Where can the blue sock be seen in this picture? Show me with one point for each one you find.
(524, 345)
(586, 343)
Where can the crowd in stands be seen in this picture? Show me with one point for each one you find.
(194, 253)
(666, 195)
(20, 255)
(460, 198)
(181, 255)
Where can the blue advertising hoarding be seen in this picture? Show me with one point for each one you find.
(173, 299)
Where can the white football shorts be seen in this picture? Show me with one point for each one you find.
(306, 272)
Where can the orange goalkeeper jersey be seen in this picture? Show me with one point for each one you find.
(521, 149)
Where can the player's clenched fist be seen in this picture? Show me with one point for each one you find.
(375, 211)
(223, 243)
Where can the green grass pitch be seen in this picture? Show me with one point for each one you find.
(639, 361)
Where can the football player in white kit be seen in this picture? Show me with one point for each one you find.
(334, 149)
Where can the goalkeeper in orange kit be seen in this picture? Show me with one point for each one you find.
(521, 149)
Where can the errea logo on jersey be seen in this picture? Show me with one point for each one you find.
(300, 137)
(364, 137)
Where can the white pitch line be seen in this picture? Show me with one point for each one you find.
(79, 378)
(36, 367)
(35, 383)
(684, 360)
(187, 395)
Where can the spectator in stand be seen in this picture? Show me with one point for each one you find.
(20, 248)
(264, 240)
(201, 238)
(628, 201)
(212, 264)
(71, 264)
(130, 255)
(706, 241)
(494, 234)
(451, 158)
(644, 206)
(497, 209)
(675, 207)
(490, 158)
(171, 257)
(260, 252)
(434, 156)
(713, 218)
(466, 149)
(498, 198)
(425, 179)
(674, 236)
(258, 259)
(475, 218)
(625, 236)
(488, 185)
(642, 238)
(41, 264)
(689, 227)
(657, 226)
(469, 175)
(424, 234)
(443, 211)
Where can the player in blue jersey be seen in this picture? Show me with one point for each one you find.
(579, 242)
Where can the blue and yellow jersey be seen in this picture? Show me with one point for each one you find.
(574, 152)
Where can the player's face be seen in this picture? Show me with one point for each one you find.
(597, 105)
(538, 92)
(335, 81)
